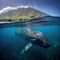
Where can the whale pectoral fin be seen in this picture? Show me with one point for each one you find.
(29, 45)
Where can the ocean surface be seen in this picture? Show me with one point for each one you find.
(11, 43)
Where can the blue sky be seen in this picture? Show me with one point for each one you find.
(51, 7)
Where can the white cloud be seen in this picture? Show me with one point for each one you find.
(4, 10)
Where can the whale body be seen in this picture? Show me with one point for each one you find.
(35, 38)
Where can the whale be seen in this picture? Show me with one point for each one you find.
(34, 38)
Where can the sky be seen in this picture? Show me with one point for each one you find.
(51, 7)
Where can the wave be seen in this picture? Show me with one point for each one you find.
(41, 21)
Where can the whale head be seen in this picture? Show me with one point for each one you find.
(37, 38)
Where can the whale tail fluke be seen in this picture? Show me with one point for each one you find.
(29, 45)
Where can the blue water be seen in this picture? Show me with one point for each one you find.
(11, 44)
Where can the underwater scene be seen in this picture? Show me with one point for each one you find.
(22, 41)
(29, 30)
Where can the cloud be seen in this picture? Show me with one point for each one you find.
(4, 10)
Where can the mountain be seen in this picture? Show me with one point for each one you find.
(13, 12)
